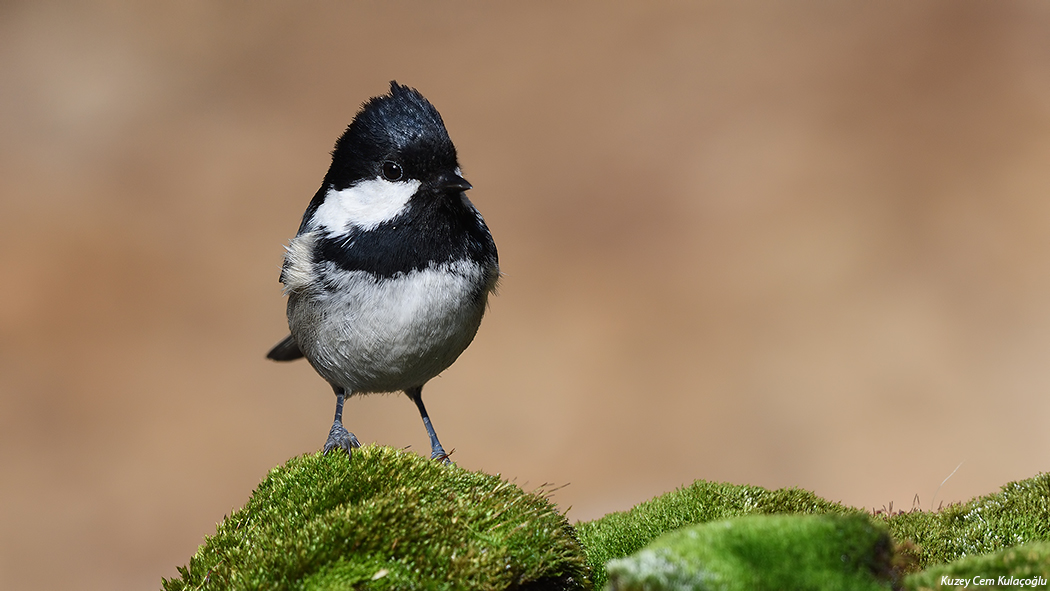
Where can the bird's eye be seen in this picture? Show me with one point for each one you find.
(392, 171)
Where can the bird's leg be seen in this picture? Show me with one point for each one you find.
(339, 436)
(436, 451)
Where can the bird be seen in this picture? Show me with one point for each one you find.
(390, 272)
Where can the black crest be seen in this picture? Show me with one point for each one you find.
(401, 126)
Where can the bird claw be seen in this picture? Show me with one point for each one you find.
(340, 438)
(441, 456)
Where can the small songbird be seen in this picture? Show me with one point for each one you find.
(390, 272)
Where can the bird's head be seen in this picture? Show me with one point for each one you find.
(396, 147)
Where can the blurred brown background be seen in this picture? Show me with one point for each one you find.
(787, 244)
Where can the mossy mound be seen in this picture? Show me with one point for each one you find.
(620, 534)
(1018, 514)
(393, 520)
(388, 519)
(1021, 567)
(763, 552)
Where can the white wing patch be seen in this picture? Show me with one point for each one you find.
(298, 273)
(364, 205)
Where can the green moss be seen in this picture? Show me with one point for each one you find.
(388, 519)
(1028, 564)
(763, 552)
(619, 534)
(393, 520)
(1019, 513)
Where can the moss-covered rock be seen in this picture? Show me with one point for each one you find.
(1021, 567)
(620, 534)
(393, 520)
(388, 519)
(1018, 514)
(763, 552)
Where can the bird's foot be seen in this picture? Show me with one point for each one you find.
(340, 438)
(440, 455)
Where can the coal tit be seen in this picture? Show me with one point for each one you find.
(390, 272)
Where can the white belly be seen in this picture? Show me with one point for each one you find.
(386, 335)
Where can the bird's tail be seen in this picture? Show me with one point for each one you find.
(286, 350)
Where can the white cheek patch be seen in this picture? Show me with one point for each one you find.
(364, 205)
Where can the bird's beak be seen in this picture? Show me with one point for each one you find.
(453, 183)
